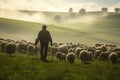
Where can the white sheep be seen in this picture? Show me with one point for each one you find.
(60, 56)
(22, 47)
(85, 56)
(10, 48)
(113, 57)
(103, 48)
(31, 49)
(97, 53)
(70, 50)
(3, 44)
(63, 49)
(77, 51)
(103, 56)
(54, 50)
(118, 53)
(116, 49)
(70, 57)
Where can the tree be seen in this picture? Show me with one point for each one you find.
(82, 11)
(104, 10)
(70, 9)
(117, 10)
(57, 18)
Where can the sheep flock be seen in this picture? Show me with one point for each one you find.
(67, 52)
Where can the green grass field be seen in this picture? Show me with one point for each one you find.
(24, 67)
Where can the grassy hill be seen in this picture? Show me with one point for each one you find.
(88, 30)
(24, 67)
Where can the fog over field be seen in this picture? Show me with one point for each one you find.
(11, 8)
(91, 28)
(41, 17)
(19, 15)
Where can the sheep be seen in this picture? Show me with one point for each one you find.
(60, 44)
(0, 44)
(108, 45)
(91, 55)
(98, 45)
(110, 49)
(22, 47)
(2, 39)
(63, 49)
(113, 57)
(60, 56)
(70, 50)
(3, 44)
(54, 44)
(31, 49)
(78, 44)
(70, 57)
(85, 56)
(91, 49)
(10, 48)
(74, 50)
(77, 51)
(73, 45)
(116, 49)
(102, 48)
(103, 56)
(118, 53)
(97, 53)
(54, 50)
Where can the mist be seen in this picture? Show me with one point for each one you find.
(57, 5)
(40, 17)
(19, 15)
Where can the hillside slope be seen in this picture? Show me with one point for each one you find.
(100, 30)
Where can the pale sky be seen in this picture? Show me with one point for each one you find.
(59, 5)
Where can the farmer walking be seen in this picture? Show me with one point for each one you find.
(44, 38)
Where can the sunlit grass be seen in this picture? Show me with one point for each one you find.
(27, 67)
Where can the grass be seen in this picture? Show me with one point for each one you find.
(24, 67)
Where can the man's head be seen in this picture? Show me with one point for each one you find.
(44, 27)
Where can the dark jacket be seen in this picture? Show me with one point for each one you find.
(44, 36)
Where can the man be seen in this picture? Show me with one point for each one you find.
(44, 37)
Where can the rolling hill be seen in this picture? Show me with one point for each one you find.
(88, 30)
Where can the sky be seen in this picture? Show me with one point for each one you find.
(59, 5)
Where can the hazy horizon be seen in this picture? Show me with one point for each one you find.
(59, 5)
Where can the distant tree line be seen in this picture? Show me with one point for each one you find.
(82, 12)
